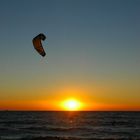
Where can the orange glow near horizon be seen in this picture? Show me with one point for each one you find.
(69, 99)
(70, 104)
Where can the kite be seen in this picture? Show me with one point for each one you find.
(38, 45)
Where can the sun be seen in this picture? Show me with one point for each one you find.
(71, 105)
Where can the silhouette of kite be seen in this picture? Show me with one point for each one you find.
(38, 45)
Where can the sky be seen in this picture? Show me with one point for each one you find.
(93, 54)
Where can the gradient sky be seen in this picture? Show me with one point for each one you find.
(93, 54)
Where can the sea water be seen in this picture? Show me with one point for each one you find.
(67, 125)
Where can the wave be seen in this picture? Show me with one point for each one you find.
(64, 138)
(45, 128)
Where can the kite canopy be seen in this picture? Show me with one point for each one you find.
(38, 45)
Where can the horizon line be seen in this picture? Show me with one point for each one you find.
(6, 110)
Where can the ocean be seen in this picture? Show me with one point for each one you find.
(66, 125)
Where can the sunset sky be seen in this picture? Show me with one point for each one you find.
(93, 54)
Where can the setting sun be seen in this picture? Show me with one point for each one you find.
(71, 105)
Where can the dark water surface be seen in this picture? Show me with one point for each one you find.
(69, 125)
